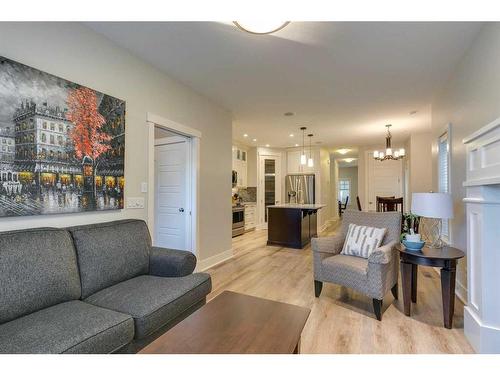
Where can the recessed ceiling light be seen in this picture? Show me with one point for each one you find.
(343, 151)
(349, 160)
(267, 145)
(291, 135)
(245, 135)
(288, 114)
(413, 112)
(255, 139)
(296, 145)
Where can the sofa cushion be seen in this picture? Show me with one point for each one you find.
(362, 240)
(69, 327)
(346, 270)
(153, 301)
(111, 252)
(38, 269)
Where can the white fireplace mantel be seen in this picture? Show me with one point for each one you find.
(482, 313)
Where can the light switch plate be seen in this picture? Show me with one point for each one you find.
(144, 187)
(135, 202)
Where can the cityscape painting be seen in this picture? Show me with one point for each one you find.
(62, 145)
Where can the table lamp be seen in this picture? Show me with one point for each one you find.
(436, 207)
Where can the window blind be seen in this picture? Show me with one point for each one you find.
(444, 173)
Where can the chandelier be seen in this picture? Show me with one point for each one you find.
(389, 154)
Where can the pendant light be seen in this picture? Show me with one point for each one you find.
(389, 153)
(310, 162)
(303, 158)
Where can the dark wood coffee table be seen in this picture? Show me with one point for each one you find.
(234, 323)
(445, 258)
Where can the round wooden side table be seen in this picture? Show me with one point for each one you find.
(445, 258)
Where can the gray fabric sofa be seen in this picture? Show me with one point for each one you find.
(374, 276)
(97, 288)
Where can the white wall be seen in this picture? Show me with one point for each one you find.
(325, 192)
(420, 155)
(469, 101)
(76, 53)
(350, 173)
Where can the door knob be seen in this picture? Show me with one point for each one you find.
(181, 209)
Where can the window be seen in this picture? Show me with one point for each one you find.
(444, 175)
(344, 190)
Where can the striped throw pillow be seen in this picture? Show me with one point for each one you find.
(361, 241)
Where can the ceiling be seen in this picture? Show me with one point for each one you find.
(343, 80)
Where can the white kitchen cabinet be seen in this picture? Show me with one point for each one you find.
(240, 165)
(293, 162)
(250, 216)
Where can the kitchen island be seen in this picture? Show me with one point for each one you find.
(292, 225)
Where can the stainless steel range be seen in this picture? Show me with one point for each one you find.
(238, 220)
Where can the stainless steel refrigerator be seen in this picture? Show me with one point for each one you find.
(300, 188)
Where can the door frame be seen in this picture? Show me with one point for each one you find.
(188, 206)
(368, 157)
(260, 184)
(193, 161)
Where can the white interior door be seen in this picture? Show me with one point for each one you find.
(384, 180)
(171, 224)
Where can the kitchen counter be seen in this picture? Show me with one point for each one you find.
(298, 206)
(292, 225)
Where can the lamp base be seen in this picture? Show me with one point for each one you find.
(430, 231)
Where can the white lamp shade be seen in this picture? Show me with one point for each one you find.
(375, 154)
(310, 162)
(433, 205)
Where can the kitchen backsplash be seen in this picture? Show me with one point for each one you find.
(248, 194)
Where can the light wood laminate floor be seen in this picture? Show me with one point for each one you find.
(341, 320)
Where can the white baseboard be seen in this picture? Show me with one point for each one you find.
(484, 339)
(461, 292)
(460, 289)
(205, 264)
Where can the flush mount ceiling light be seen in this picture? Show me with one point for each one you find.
(343, 151)
(267, 145)
(349, 160)
(288, 114)
(245, 135)
(261, 27)
(389, 155)
(292, 135)
(255, 139)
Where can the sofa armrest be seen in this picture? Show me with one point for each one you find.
(330, 245)
(383, 254)
(171, 263)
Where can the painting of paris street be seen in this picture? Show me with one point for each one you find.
(62, 145)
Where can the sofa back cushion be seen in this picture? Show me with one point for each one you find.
(38, 269)
(111, 252)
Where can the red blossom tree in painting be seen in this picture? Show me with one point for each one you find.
(88, 138)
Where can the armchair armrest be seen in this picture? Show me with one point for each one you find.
(383, 254)
(171, 263)
(330, 245)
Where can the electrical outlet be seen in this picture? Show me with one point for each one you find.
(135, 202)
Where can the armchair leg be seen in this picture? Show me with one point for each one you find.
(394, 291)
(318, 285)
(377, 308)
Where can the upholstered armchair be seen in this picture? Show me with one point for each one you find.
(373, 276)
